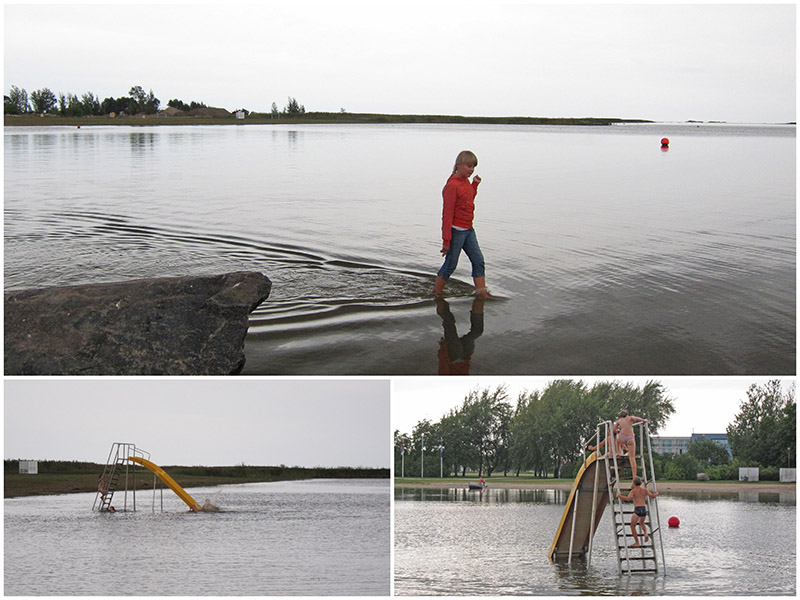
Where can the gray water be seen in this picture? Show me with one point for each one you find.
(311, 538)
(615, 256)
(457, 543)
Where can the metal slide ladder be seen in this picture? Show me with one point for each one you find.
(118, 466)
(111, 486)
(643, 559)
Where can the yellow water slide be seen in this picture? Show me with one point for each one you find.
(168, 481)
(581, 504)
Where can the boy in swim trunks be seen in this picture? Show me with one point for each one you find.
(625, 438)
(639, 496)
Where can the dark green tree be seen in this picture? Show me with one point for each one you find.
(682, 467)
(649, 402)
(787, 432)
(459, 452)
(529, 430)
(141, 102)
(708, 452)
(568, 421)
(179, 104)
(137, 99)
(70, 106)
(487, 417)
(44, 101)
(294, 108)
(115, 105)
(762, 432)
(91, 104)
(16, 102)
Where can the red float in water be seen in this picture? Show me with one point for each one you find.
(664, 142)
(674, 522)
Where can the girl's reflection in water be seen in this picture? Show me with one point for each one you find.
(455, 353)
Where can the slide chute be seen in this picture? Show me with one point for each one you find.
(576, 522)
(168, 481)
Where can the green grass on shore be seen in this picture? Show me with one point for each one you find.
(56, 477)
(307, 118)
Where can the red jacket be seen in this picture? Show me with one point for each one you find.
(459, 205)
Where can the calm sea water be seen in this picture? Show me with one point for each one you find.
(615, 256)
(457, 543)
(310, 538)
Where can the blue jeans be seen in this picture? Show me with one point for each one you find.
(467, 241)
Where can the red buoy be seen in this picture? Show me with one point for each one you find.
(664, 142)
(674, 522)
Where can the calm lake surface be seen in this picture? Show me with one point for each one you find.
(615, 257)
(311, 538)
(457, 543)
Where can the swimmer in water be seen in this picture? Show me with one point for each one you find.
(209, 507)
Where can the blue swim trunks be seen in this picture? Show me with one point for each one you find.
(640, 510)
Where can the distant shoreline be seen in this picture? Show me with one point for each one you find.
(16, 485)
(666, 486)
(36, 120)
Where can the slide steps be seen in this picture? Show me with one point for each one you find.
(592, 492)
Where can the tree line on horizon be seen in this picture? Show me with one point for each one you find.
(545, 433)
(11, 467)
(45, 101)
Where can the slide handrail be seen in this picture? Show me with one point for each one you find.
(168, 481)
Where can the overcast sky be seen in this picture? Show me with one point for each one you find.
(728, 62)
(702, 404)
(201, 421)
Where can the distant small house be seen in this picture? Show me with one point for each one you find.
(670, 445)
(240, 114)
(29, 467)
(209, 111)
(170, 111)
(788, 475)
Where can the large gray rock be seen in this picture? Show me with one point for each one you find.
(171, 326)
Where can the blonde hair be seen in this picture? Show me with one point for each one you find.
(465, 157)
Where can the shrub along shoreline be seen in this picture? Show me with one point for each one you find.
(63, 477)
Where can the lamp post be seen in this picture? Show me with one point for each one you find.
(422, 455)
(441, 459)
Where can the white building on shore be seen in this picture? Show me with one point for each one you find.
(670, 445)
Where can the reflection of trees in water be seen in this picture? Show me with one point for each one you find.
(140, 141)
(460, 493)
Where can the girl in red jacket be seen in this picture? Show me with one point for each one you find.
(457, 232)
